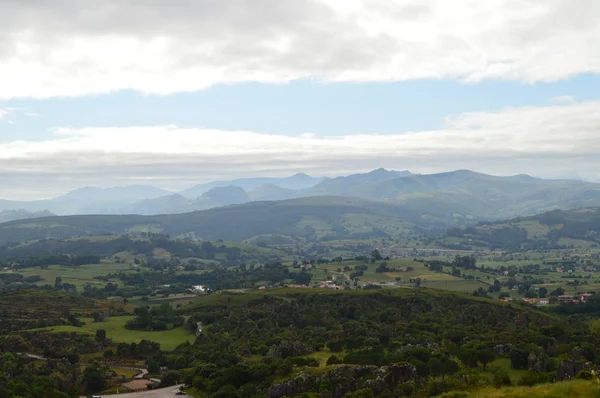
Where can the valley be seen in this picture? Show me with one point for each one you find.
(348, 296)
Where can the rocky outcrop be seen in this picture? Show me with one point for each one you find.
(297, 385)
(286, 349)
(344, 379)
(569, 370)
(503, 350)
(537, 362)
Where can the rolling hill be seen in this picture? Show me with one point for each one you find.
(317, 218)
(549, 230)
(12, 215)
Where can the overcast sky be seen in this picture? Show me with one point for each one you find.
(104, 93)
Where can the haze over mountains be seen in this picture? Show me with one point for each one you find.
(452, 198)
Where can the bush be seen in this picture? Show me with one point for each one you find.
(455, 394)
(501, 378)
(530, 379)
(333, 360)
(585, 375)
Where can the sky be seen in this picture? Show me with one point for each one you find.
(176, 93)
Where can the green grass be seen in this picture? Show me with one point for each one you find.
(570, 389)
(128, 373)
(324, 355)
(173, 300)
(116, 331)
(504, 364)
(194, 392)
(77, 276)
(236, 300)
(429, 279)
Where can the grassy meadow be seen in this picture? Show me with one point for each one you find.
(116, 331)
(78, 276)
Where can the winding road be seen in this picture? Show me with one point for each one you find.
(159, 393)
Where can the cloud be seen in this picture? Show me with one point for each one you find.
(563, 99)
(5, 112)
(550, 141)
(73, 48)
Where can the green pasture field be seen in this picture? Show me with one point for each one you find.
(431, 279)
(77, 276)
(173, 300)
(116, 331)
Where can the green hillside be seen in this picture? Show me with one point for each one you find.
(312, 219)
(465, 194)
(551, 230)
(405, 342)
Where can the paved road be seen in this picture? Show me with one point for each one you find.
(161, 393)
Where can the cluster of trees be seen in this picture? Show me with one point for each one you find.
(46, 260)
(162, 317)
(53, 378)
(439, 336)
(220, 278)
(145, 349)
(466, 262)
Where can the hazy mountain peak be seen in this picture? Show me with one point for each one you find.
(12, 215)
(300, 175)
(294, 182)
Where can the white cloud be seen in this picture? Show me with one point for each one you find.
(551, 141)
(4, 112)
(563, 99)
(69, 48)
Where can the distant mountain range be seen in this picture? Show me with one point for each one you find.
(89, 200)
(296, 182)
(13, 215)
(453, 198)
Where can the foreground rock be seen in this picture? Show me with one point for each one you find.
(344, 379)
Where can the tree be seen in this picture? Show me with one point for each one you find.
(436, 367)
(335, 346)
(94, 377)
(468, 357)
(449, 367)
(542, 292)
(383, 267)
(100, 335)
(153, 367)
(485, 357)
(333, 360)
(171, 378)
(376, 255)
(557, 292)
(302, 278)
(518, 358)
(501, 378)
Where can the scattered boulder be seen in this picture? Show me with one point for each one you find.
(286, 349)
(345, 379)
(503, 350)
(569, 370)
